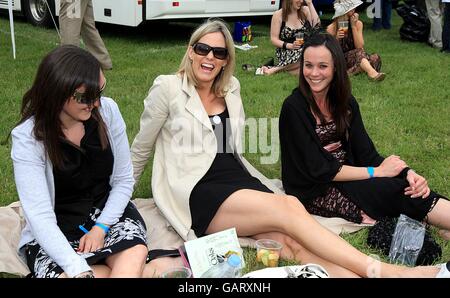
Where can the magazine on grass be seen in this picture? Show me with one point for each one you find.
(202, 253)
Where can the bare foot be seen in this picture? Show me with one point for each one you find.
(420, 271)
(159, 265)
(269, 70)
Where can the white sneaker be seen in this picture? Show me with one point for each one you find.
(445, 271)
(259, 71)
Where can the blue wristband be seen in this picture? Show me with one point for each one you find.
(104, 227)
(371, 171)
(83, 229)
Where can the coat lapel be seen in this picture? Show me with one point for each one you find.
(194, 104)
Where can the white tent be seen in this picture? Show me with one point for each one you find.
(11, 26)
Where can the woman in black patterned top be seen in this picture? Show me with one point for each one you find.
(329, 161)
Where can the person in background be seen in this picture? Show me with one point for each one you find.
(384, 21)
(295, 17)
(74, 176)
(201, 182)
(76, 18)
(348, 29)
(329, 161)
(434, 15)
(446, 29)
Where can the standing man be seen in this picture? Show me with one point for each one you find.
(76, 18)
(382, 17)
(434, 15)
(446, 30)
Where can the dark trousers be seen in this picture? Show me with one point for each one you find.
(386, 13)
(446, 28)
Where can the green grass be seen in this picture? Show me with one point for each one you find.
(407, 114)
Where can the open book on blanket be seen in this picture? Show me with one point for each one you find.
(202, 253)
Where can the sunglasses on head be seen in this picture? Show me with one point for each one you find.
(204, 49)
(80, 97)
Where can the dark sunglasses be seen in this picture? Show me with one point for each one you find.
(80, 97)
(204, 49)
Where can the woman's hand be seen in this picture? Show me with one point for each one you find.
(340, 33)
(390, 167)
(293, 46)
(92, 241)
(308, 2)
(354, 19)
(418, 185)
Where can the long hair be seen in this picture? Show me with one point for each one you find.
(286, 8)
(223, 78)
(60, 73)
(339, 93)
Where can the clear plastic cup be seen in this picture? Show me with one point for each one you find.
(268, 252)
(299, 38)
(178, 272)
(343, 25)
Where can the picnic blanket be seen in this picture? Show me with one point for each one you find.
(160, 233)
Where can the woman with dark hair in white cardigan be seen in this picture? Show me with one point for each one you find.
(74, 176)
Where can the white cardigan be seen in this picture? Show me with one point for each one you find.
(33, 173)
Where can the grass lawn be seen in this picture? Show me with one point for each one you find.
(407, 114)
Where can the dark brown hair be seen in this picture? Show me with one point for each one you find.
(339, 93)
(60, 73)
(286, 8)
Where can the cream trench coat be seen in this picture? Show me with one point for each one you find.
(175, 122)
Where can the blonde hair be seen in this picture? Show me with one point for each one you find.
(223, 79)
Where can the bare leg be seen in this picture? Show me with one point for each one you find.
(128, 263)
(292, 250)
(293, 69)
(157, 266)
(439, 215)
(101, 271)
(253, 212)
(365, 65)
(271, 70)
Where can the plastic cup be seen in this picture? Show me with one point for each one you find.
(299, 38)
(178, 272)
(343, 25)
(268, 252)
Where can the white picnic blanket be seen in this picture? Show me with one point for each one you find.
(159, 232)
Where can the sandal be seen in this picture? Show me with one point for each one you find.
(248, 67)
(378, 78)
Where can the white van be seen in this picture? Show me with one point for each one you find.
(134, 12)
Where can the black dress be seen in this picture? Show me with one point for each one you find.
(81, 191)
(308, 169)
(224, 177)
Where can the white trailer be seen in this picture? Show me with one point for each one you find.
(134, 12)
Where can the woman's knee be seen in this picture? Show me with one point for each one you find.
(138, 252)
(294, 204)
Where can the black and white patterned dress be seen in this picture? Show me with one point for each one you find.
(287, 34)
(81, 191)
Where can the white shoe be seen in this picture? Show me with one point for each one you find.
(259, 71)
(445, 271)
